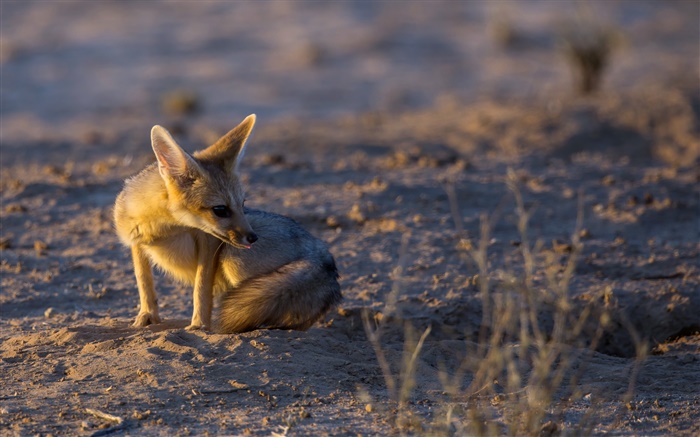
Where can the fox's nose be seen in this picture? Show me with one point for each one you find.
(252, 238)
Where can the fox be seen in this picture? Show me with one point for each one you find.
(185, 214)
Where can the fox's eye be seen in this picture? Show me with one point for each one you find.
(221, 211)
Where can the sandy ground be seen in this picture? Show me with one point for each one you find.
(369, 115)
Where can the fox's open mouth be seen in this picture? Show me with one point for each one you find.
(239, 245)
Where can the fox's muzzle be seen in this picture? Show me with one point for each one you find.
(252, 237)
(242, 239)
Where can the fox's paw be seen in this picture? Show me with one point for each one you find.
(197, 328)
(144, 319)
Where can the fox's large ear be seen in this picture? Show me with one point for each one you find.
(230, 148)
(173, 162)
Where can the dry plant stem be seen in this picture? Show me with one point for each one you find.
(480, 257)
(536, 362)
(374, 338)
(528, 260)
(541, 382)
(410, 368)
(374, 334)
(642, 349)
(484, 360)
(529, 394)
(449, 187)
(106, 416)
(399, 389)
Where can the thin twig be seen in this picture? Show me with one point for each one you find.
(105, 416)
(410, 370)
(372, 335)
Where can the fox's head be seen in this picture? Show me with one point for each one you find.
(204, 190)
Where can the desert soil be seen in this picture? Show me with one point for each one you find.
(388, 130)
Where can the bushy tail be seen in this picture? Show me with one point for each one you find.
(294, 296)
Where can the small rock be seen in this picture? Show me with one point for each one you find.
(272, 159)
(5, 243)
(561, 247)
(15, 207)
(40, 247)
(91, 137)
(355, 214)
(100, 168)
(141, 415)
(51, 170)
(238, 385)
(608, 180)
(332, 222)
(549, 429)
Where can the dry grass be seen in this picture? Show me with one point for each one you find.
(399, 387)
(523, 370)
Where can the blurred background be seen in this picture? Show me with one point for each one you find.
(74, 69)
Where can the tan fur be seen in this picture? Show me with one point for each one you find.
(268, 271)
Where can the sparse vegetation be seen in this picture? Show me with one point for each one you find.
(501, 25)
(588, 48)
(181, 102)
(523, 369)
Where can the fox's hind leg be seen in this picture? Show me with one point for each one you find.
(294, 296)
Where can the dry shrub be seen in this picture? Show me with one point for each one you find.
(399, 387)
(588, 47)
(523, 370)
(526, 346)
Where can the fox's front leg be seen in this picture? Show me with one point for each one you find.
(148, 313)
(203, 297)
